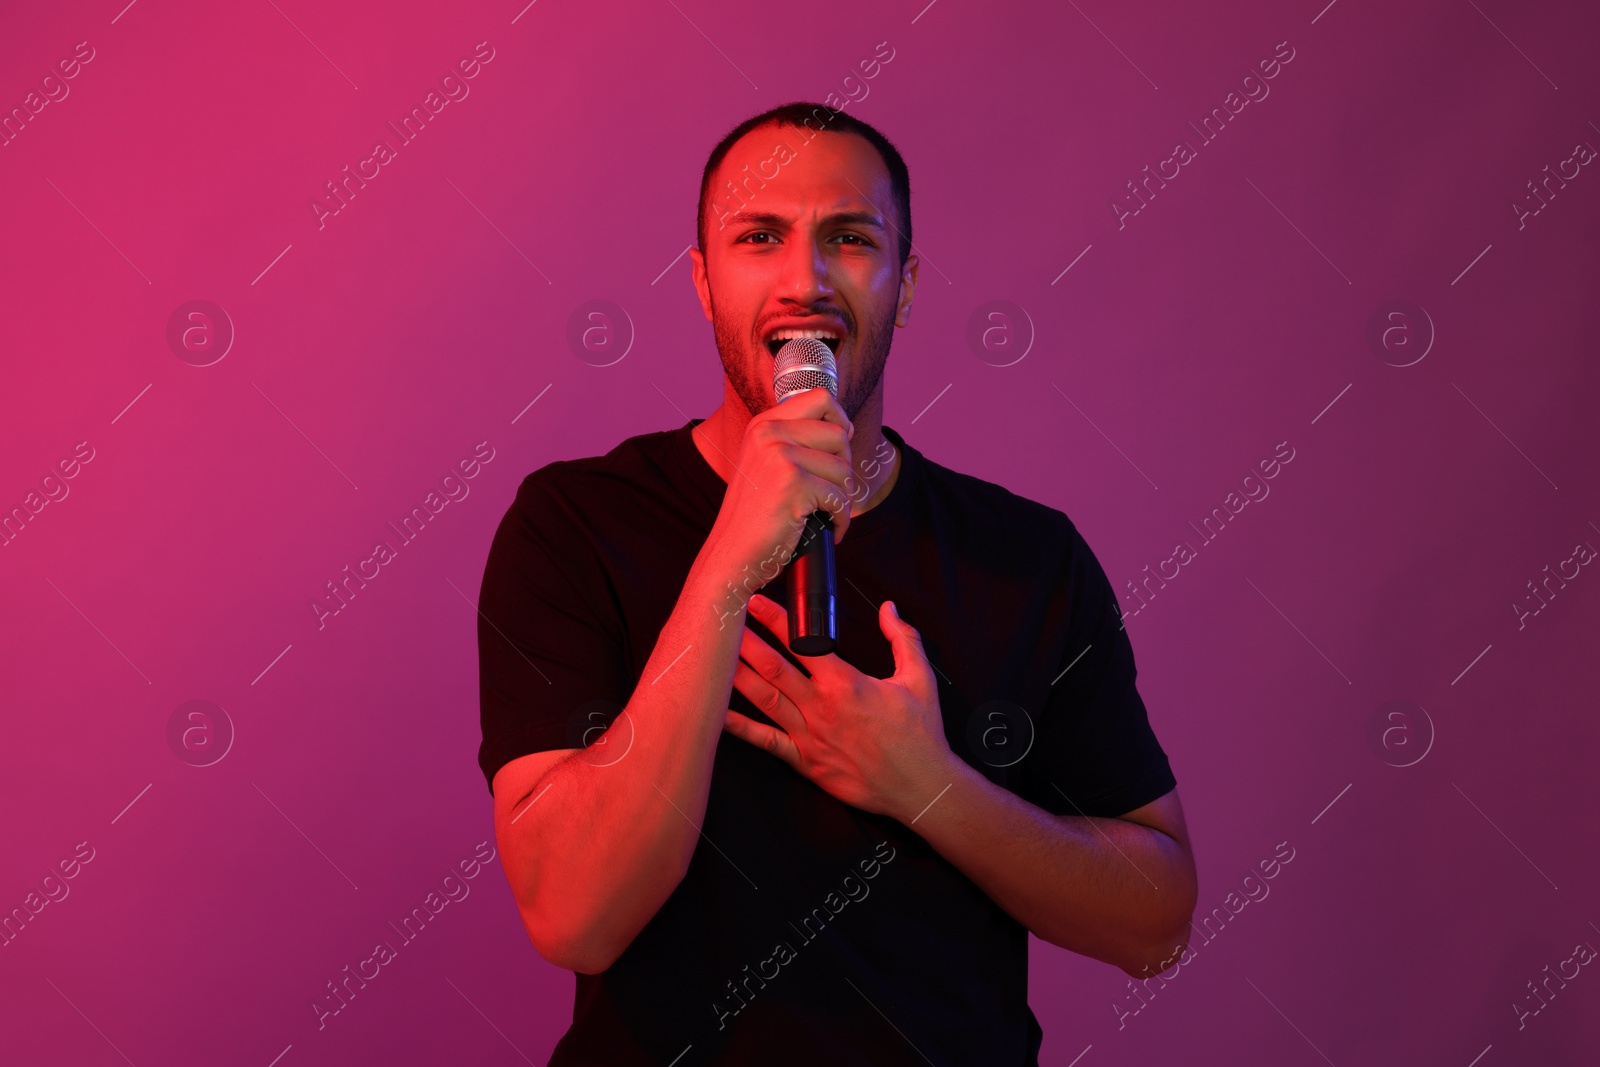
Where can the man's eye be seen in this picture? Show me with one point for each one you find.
(854, 236)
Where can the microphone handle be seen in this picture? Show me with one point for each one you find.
(813, 630)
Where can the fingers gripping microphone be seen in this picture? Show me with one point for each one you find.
(806, 363)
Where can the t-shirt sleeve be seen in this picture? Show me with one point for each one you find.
(1097, 754)
(550, 668)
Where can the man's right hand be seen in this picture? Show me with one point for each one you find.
(794, 460)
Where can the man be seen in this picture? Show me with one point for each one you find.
(747, 857)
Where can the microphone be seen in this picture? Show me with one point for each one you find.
(806, 363)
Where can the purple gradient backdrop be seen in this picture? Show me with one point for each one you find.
(375, 352)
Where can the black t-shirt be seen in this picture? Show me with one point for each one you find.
(807, 931)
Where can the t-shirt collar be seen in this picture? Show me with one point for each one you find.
(708, 484)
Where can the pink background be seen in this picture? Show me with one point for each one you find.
(374, 353)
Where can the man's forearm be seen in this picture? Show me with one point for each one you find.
(1107, 888)
(609, 843)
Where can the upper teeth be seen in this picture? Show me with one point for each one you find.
(785, 335)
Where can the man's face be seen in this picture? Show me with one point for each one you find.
(815, 247)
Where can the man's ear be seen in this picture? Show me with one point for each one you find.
(908, 291)
(701, 284)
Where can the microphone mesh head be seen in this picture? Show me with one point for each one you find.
(804, 363)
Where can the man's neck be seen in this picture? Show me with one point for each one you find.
(719, 436)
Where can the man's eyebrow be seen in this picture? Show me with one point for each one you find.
(769, 218)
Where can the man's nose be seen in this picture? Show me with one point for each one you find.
(804, 277)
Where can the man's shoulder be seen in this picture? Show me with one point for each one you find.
(577, 483)
(988, 509)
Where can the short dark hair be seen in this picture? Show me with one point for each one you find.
(816, 118)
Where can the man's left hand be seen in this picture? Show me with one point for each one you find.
(877, 744)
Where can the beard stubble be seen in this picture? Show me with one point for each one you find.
(857, 378)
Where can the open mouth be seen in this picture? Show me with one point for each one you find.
(776, 343)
